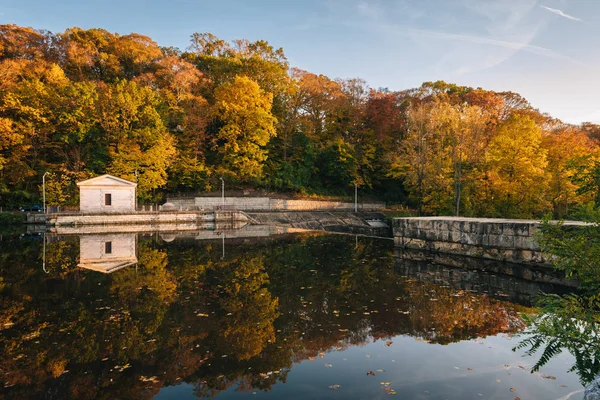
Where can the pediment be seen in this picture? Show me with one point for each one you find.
(107, 180)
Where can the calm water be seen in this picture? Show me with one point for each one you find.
(304, 316)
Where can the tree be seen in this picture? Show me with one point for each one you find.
(243, 111)
(566, 146)
(139, 146)
(317, 95)
(425, 162)
(516, 165)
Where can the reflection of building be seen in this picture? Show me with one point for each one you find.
(108, 252)
(107, 194)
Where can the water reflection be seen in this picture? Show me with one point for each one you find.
(187, 313)
(517, 283)
(107, 253)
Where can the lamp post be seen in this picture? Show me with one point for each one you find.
(44, 191)
(355, 197)
(222, 191)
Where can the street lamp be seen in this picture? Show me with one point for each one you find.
(44, 191)
(355, 197)
(222, 191)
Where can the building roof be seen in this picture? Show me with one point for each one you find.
(107, 266)
(106, 180)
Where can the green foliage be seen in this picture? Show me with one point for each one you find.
(570, 322)
(575, 250)
(337, 166)
(11, 219)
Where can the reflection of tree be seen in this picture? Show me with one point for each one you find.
(61, 255)
(443, 315)
(149, 289)
(248, 306)
(267, 305)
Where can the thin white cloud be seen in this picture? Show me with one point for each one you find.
(490, 41)
(516, 46)
(561, 13)
(368, 10)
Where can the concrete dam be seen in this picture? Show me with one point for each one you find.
(509, 240)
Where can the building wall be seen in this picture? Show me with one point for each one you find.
(92, 247)
(92, 199)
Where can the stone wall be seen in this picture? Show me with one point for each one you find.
(497, 239)
(141, 218)
(269, 204)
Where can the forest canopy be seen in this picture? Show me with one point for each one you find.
(83, 102)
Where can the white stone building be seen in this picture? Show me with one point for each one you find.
(108, 252)
(107, 194)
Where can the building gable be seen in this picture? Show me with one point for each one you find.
(106, 180)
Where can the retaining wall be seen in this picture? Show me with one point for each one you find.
(269, 204)
(141, 218)
(497, 239)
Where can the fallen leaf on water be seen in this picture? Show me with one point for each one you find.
(549, 377)
(562, 386)
(334, 387)
(512, 390)
(469, 369)
(498, 380)
(389, 343)
(202, 315)
(379, 370)
(312, 358)
(371, 373)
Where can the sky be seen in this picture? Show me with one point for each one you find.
(546, 50)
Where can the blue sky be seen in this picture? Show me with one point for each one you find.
(546, 50)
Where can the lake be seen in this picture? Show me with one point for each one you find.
(294, 316)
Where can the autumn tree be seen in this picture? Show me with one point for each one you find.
(565, 146)
(516, 165)
(139, 146)
(243, 111)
